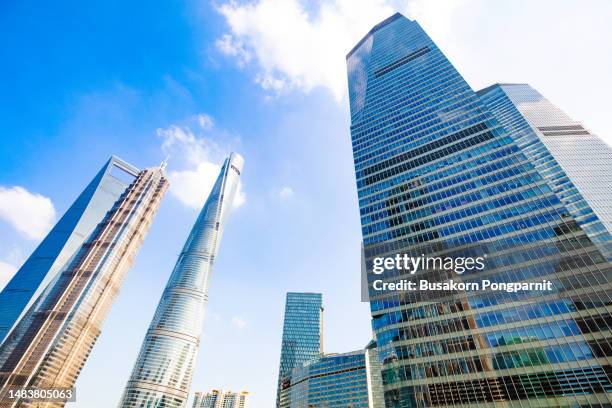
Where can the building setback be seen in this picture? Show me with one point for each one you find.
(162, 374)
(441, 171)
(49, 345)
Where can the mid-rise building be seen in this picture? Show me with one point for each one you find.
(336, 381)
(207, 400)
(302, 339)
(442, 171)
(50, 344)
(220, 399)
(162, 374)
(61, 244)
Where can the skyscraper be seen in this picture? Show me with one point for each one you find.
(577, 163)
(440, 170)
(163, 370)
(302, 333)
(49, 345)
(63, 241)
(220, 399)
(336, 380)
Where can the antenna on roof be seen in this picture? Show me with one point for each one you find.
(164, 163)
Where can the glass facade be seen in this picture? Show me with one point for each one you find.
(335, 381)
(440, 167)
(302, 333)
(50, 344)
(63, 241)
(164, 368)
(576, 163)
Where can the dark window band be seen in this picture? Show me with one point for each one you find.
(404, 60)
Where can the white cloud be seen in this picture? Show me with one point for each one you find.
(239, 322)
(7, 271)
(295, 49)
(12, 261)
(201, 158)
(286, 193)
(240, 198)
(300, 45)
(204, 121)
(192, 186)
(30, 214)
(233, 47)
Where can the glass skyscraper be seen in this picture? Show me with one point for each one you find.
(442, 169)
(577, 163)
(302, 333)
(50, 344)
(164, 368)
(336, 381)
(64, 240)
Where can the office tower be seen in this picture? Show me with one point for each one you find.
(50, 344)
(302, 333)
(577, 164)
(163, 370)
(336, 380)
(60, 245)
(220, 399)
(438, 173)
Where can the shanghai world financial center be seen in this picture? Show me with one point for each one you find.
(441, 170)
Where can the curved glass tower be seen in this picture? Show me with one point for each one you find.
(162, 374)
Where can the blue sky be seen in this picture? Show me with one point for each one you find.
(195, 80)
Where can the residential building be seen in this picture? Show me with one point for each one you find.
(220, 399)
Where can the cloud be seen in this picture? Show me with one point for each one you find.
(294, 48)
(297, 45)
(201, 158)
(7, 271)
(285, 193)
(239, 322)
(31, 214)
(9, 265)
(233, 47)
(192, 186)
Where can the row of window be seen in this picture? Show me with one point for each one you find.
(589, 380)
(463, 134)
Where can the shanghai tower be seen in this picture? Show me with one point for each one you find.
(50, 344)
(164, 368)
